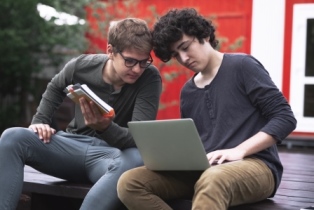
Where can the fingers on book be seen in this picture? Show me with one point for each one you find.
(77, 91)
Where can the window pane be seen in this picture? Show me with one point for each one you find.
(309, 101)
(309, 57)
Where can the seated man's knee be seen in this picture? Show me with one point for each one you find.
(127, 184)
(12, 136)
(213, 179)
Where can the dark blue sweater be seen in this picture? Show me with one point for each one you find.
(240, 101)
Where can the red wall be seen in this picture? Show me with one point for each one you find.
(231, 17)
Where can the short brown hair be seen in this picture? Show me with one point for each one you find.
(130, 33)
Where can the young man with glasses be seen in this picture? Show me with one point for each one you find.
(94, 148)
(240, 115)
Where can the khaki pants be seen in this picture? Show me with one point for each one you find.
(217, 188)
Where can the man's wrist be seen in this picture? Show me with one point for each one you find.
(103, 129)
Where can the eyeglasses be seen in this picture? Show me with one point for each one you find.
(131, 62)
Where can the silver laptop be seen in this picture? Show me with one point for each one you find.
(169, 144)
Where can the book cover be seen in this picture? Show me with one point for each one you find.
(75, 92)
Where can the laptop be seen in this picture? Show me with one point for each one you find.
(169, 145)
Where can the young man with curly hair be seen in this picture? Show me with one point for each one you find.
(240, 115)
(94, 148)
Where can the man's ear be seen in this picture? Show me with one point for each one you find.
(110, 51)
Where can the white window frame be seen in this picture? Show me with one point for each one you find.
(301, 12)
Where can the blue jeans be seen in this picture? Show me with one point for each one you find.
(68, 156)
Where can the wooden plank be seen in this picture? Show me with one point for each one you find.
(57, 189)
(295, 191)
(49, 202)
(36, 182)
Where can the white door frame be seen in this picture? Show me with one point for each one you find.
(301, 12)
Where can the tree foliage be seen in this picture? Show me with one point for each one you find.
(28, 45)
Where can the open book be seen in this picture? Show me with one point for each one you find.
(77, 91)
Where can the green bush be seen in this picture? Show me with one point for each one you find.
(29, 46)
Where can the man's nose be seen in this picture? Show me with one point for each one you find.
(183, 57)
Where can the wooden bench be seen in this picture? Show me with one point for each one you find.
(296, 189)
(51, 193)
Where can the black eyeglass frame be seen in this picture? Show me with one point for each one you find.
(148, 61)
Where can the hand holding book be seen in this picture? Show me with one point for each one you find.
(75, 92)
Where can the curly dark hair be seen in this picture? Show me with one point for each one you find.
(176, 22)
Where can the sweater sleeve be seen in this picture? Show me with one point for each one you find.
(54, 95)
(264, 94)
